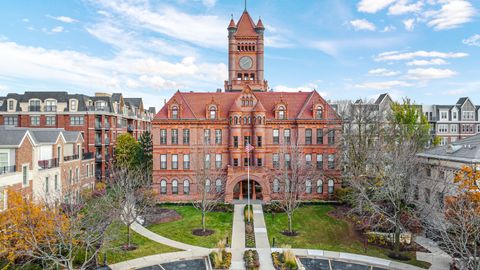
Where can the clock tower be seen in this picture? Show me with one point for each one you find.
(245, 55)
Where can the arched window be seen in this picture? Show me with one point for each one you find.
(174, 112)
(308, 186)
(276, 186)
(213, 112)
(320, 186)
(319, 113)
(218, 186)
(163, 187)
(186, 187)
(249, 120)
(207, 185)
(281, 113)
(330, 186)
(236, 120)
(244, 120)
(174, 187)
(230, 120)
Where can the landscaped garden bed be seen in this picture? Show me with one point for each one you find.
(252, 261)
(249, 228)
(221, 259)
(285, 260)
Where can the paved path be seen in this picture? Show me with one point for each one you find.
(160, 259)
(238, 238)
(261, 238)
(437, 257)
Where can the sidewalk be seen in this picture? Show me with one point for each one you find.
(238, 238)
(261, 239)
(438, 258)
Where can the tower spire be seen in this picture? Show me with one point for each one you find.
(245, 5)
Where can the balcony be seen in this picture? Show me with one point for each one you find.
(88, 155)
(130, 128)
(50, 108)
(98, 125)
(8, 169)
(98, 142)
(107, 157)
(70, 158)
(34, 108)
(48, 163)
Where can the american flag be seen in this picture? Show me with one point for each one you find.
(249, 148)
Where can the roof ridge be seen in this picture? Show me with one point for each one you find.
(305, 104)
(188, 105)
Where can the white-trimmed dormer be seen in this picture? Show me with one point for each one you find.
(11, 105)
(73, 104)
(50, 105)
(454, 114)
(443, 115)
(34, 105)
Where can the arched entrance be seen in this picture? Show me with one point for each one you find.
(240, 191)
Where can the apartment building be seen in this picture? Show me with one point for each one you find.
(44, 164)
(99, 118)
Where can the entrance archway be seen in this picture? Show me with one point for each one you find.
(240, 191)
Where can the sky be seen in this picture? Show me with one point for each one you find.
(427, 50)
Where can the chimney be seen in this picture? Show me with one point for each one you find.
(164, 101)
(219, 90)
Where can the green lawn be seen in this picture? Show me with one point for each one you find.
(181, 230)
(145, 246)
(317, 230)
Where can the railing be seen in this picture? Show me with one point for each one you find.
(88, 155)
(51, 108)
(130, 128)
(72, 157)
(8, 169)
(48, 163)
(132, 114)
(34, 108)
(98, 126)
(97, 109)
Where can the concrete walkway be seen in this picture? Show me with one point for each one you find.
(261, 239)
(437, 257)
(160, 259)
(238, 238)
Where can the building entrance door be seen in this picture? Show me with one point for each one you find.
(240, 192)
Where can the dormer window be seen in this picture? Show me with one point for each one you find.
(73, 105)
(100, 105)
(50, 105)
(11, 105)
(175, 112)
(34, 105)
(213, 112)
(281, 114)
(319, 112)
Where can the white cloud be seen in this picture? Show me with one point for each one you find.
(389, 28)
(452, 14)
(430, 73)
(362, 24)
(397, 56)
(373, 6)
(57, 29)
(209, 3)
(472, 41)
(409, 24)
(385, 85)
(431, 62)
(64, 19)
(335, 47)
(403, 6)
(304, 88)
(25, 20)
(383, 72)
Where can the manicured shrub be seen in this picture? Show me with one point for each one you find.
(252, 262)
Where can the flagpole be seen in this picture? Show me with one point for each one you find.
(248, 183)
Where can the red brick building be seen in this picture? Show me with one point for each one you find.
(246, 113)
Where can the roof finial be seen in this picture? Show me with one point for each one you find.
(245, 5)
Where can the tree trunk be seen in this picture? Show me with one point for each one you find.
(204, 227)
(290, 229)
(397, 241)
(128, 236)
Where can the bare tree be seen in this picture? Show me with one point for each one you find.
(210, 180)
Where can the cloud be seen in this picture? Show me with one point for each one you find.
(388, 28)
(426, 74)
(209, 3)
(362, 24)
(452, 14)
(335, 47)
(403, 6)
(409, 24)
(397, 56)
(431, 62)
(385, 85)
(25, 20)
(373, 6)
(57, 29)
(383, 72)
(304, 88)
(472, 41)
(64, 19)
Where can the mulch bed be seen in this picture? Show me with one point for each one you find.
(161, 215)
(290, 234)
(201, 232)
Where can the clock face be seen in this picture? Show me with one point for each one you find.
(246, 62)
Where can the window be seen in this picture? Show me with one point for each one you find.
(308, 136)
(319, 113)
(235, 141)
(320, 186)
(73, 105)
(186, 136)
(308, 186)
(331, 186)
(50, 120)
(444, 115)
(34, 120)
(276, 135)
(428, 171)
(25, 175)
(207, 161)
(331, 137)
(276, 186)
(246, 140)
(218, 136)
(218, 161)
(259, 162)
(174, 112)
(331, 162)
(174, 136)
(319, 136)
(207, 185)
(453, 129)
(319, 161)
(186, 187)
(206, 136)
(442, 128)
(186, 162)
(287, 161)
(70, 176)
(163, 136)
(174, 187)
(259, 141)
(218, 186)
(174, 162)
(308, 159)
(281, 113)
(245, 162)
(454, 115)
(10, 105)
(213, 113)
(10, 121)
(286, 136)
(163, 162)
(3, 161)
(50, 106)
(468, 115)
(440, 198)
(163, 187)
(34, 105)
(77, 174)
(235, 162)
(276, 161)
(76, 120)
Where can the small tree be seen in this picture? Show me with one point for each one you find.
(126, 151)
(210, 183)
(146, 153)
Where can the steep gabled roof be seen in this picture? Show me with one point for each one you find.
(259, 107)
(246, 26)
